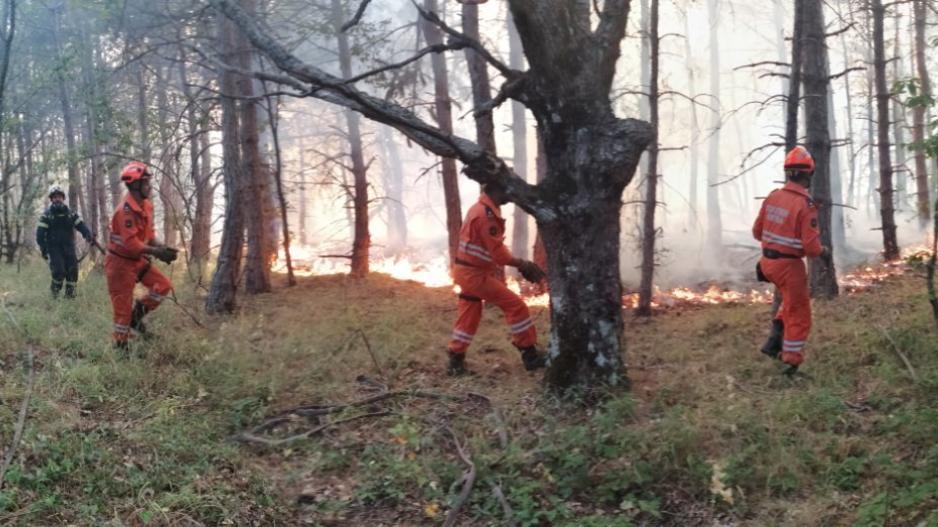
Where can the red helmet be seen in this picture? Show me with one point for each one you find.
(799, 160)
(134, 171)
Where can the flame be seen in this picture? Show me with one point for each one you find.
(435, 272)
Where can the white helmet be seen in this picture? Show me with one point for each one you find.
(56, 189)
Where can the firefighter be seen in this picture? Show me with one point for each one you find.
(55, 236)
(787, 226)
(132, 243)
(481, 251)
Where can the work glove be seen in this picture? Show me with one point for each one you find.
(531, 272)
(166, 254)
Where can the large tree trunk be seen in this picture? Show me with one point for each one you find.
(816, 85)
(168, 189)
(714, 220)
(362, 238)
(649, 231)
(838, 227)
(223, 291)
(918, 112)
(887, 212)
(273, 117)
(444, 118)
(519, 136)
(851, 186)
(256, 264)
(794, 85)
(75, 198)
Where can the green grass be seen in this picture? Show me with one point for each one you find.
(709, 433)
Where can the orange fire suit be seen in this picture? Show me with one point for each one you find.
(481, 251)
(787, 226)
(125, 264)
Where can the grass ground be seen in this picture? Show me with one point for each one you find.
(710, 433)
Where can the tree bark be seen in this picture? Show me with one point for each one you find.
(362, 238)
(223, 291)
(75, 198)
(649, 231)
(851, 198)
(272, 117)
(256, 264)
(519, 140)
(918, 113)
(302, 220)
(816, 78)
(204, 201)
(887, 210)
(794, 84)
(591, 157)
(444, 118)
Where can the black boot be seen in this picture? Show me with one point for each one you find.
(457, 364)
(55, 287)
(69, 290)
(136, 318)
(773, 345)
(533, 358)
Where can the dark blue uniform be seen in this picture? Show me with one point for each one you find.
(55, 236)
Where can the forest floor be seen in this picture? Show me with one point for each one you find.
(709, 434)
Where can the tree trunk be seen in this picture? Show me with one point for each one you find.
(649, 231)
(362, 238)
(918, 112)
(256, 264)
(794, 84)
(887, 212)
(143, 126)
(898, 123)
(693, 218)
(816, 85)
(444, 118)
(397, 219)
(204, 201)
(272, 116)
(302, 220)
(74, 181)
(850, 143)
(223, 291)
(838, 227)
(479, 77)
(714, 219)
(167, 160)
(872, 196)
(519, 140)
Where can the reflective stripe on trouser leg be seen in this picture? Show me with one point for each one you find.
(467, 322)
(158, 285)
(523, 333)
(792, 280)
(121, 277)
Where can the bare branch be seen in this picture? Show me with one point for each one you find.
(763, 63)
(358, 16)
(845, 72)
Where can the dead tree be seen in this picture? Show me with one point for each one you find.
(883, 95)
(816, 78)
(591, 157)
(714, 220)
(649, 231)
(361, 241)
(222, 293)
(444, 118)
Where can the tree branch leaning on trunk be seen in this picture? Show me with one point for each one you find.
(481, 167)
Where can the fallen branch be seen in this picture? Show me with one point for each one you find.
(468, 478)
(506, 507)
(252, 438)
(371, 352)
(319, 410)
(901, 355)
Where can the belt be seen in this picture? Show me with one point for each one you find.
(772, 254)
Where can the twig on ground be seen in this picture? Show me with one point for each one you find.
(24, 406)
(371, 352)
(468, 478)
(898, 350)
(506, 507)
